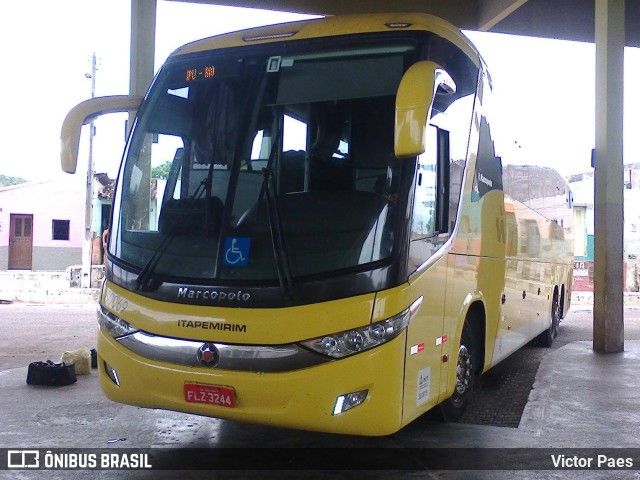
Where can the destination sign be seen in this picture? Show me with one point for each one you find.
(206, 72)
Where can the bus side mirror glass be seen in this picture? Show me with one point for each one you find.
(414, 100)
(84, 113)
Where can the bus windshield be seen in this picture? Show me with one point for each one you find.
(253, 167)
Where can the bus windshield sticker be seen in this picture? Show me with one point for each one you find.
(273, 65)
(236, 251)
(424, 382)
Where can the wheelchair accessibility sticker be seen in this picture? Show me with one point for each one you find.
(236, 251)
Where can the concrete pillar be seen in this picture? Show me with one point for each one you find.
(143, 45)
(608, 323)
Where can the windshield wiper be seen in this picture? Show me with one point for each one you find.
(143, 281)
(275, 228)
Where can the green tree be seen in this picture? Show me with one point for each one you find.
(5, 181)
(161, 171)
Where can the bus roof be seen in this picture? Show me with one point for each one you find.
(334, 26)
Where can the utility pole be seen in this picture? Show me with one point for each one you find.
(88, 218)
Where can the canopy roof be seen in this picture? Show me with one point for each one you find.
(565, 20)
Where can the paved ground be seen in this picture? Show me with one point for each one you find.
(502, 392)
(44, 332)
(41, 332)
(577, 398)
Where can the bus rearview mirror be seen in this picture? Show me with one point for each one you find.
(418, 87)
(84, 113)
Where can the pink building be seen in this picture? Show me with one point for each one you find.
(42, 225)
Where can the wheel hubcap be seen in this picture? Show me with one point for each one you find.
(463, 375)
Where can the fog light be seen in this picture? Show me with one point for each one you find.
(349, 400)
(111, 372)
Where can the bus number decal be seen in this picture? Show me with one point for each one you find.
(115, 302)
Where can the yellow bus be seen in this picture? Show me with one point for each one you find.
(335, 244)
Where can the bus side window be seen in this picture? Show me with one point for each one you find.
(430, 222)
(454, 121)
(424, 202)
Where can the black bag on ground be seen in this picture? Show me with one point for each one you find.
(49, 373)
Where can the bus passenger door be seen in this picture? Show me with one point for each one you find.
(425, 340)
(429, 233)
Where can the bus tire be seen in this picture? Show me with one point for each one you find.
(546, 338)
(563, 305)
(452, 409)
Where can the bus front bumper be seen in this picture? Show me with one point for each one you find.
(302, 399)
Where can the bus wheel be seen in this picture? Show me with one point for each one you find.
(452, 409)
(545, 339)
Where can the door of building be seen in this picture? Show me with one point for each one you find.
(21, 242)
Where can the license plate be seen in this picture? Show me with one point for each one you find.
(210, 394)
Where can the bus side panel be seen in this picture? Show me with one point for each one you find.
(515, 313)
(423, 382)
(541, 295)
(480, 269)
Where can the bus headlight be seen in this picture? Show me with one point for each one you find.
(115, 326)
(343, 344)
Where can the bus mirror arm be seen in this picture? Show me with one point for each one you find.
(414, 101)
(84, 113)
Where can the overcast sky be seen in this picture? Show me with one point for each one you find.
(544, 88)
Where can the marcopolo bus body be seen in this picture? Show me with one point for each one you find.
(335, 244)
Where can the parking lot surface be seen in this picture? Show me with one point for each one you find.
(563, 397)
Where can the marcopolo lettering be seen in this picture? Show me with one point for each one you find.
(225, 327)
(213, 295)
